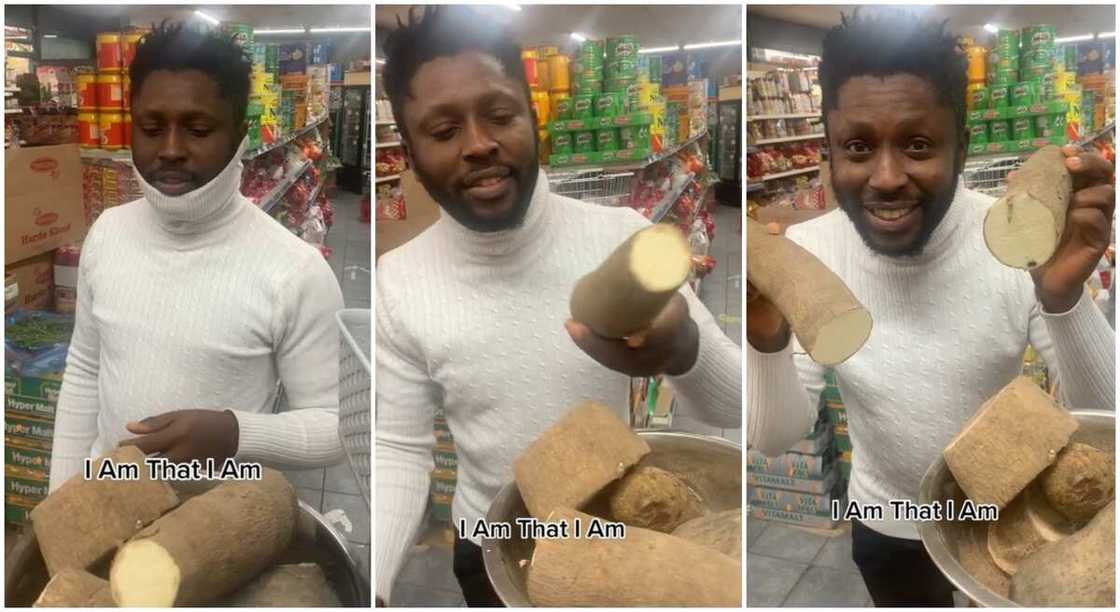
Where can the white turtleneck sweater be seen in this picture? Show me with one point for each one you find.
(950, 330)
(474, 323)
(201, 301)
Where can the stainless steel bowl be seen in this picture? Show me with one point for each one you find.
(713, 467)
(941, 538)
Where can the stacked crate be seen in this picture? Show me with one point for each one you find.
(29, 408)
(838, 420)
(444, 474)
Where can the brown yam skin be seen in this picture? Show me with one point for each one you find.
(223, 538)
(586, 450)
(653, 498)
(84, 521)
(1042, 180)
(1081, 481)
(75, 589)
(300, 585)
(1079, 571)
(1024, 526)
(721, 531)
(645, 569)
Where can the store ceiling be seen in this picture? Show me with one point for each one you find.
(655, 26)
(258, 15)
(969, 20)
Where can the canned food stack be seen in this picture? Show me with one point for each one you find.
(264, 96)
(977, 71)
(104, 98)
(537, 73)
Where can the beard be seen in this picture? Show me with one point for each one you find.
(934, 207)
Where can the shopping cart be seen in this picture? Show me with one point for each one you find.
(595, 186)
(354, 407)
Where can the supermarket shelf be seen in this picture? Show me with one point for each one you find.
(273, 198)
(283, 141)
(386, 179)
(1107, 129)
(771, 177)
(788, 139)
(120, 155)
(665, 207)
(315, 193)
(387, 145)
(385, 123)
(751, 187)
(638, 165)
(790, 116)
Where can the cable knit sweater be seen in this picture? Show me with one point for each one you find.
(950, 329)
(474, 323)
(201, 301)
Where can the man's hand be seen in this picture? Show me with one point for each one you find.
(767, 330)
(1060, 281)
(183, 435)
(669, 345)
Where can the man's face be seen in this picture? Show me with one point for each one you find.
(183, 131)
(895, 158)
(472, 140)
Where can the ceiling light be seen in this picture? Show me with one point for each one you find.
(1107, 35)
(212, 19)
(991, 28)
(332, 30)
(380, 61)
(266, 32)
(512, 7)
(50, 35)
(708, 45)
(578, 37)
(1069, 39)
(658, 49)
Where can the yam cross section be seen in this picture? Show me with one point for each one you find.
(1078, 571)
(1013, 437)
(84, 521)
(646, 568)
(1023, 228)
(828, 320)
(634, 283)
(72, 588)
(209, 546)
(722, 531)
(972, 552)
(1027, 524)
(577, 457)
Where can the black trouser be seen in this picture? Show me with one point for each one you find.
(898, 572)
(470, 570)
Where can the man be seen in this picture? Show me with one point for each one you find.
(472, 315)
(951, 322)
(192, 302)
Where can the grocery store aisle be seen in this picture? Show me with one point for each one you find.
(334, 490)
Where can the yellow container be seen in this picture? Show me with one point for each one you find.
(559, 74)
(547, 51)
(977, 64)
(541, 104)
(657, 108)
(545, 146)
(647, 94)
(543, 78)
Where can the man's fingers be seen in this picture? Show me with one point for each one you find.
(151, 424)
(1101, 197)
(1088, 167)
(614, 354)
(152, 443)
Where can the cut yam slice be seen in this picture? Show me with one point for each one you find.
(722, 531)
(75, 589)
(1023, 228)
(1024, 526)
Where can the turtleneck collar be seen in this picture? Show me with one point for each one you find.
(512, 243)
(203, 209)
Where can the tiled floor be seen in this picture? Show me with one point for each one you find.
(334, 491)
(792, 567)
(426, 580)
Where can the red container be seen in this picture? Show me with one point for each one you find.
(87, 92)
(112, 130)
(109, 57)
(110, 92)
(89, 135)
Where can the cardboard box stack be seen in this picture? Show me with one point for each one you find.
(443, 476)
(797, 487)
(838, 420)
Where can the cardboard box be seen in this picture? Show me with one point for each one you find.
(804, 485)
(43, 200)
(815, 443)
(34, 489)
(794, 465)
(35, 278)
(17, 509)
(793, 501)
(27, 461)
(28, 432)
(422, 212)
(795, 518)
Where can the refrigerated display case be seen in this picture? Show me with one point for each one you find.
(729, 160)
(355, 137)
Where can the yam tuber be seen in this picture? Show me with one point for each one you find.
(587, 449)
(646, 568)
(1023, 228)
(1078, 571)
(209, 546)
(72, 588)
(653, 498)
(1024, 526)
(1013, 437)
(827, 319)
(301, 585)
(634, 284)
(84, 521)
(972, 552)
(1081, 481)
(722, 531)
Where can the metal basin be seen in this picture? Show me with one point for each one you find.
(712, 467)
(316, 541)
(941, 538)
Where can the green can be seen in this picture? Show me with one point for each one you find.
(562, 108)
(999, 131)
(633, 101)
(1025, 93)
(272, 59)
(606, 140)
(561, 143)
(622, 69)
(1037, 36)
(628, 138)
(980, 98)
(655, 69)
(583, 107)
(998, 60)
(978, 133)
(590, 87)
(1070, 57)
(583, 142)
(1022, 128)
(1035, 73)
(1002, 77)
(622, 47)
(1048, 87)
(1036, 57)
(619, 84)
(1048, 126)
(608, 104)
(999, 96)
(1008, 41)
(591, 51)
